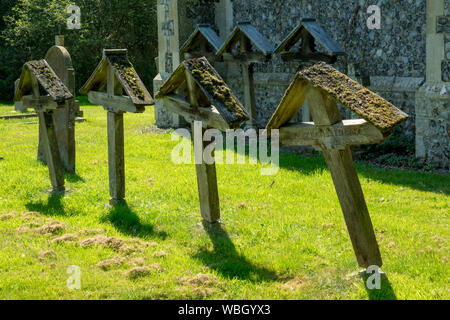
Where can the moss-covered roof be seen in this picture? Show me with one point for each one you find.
(215, 90)
(318, 34)
(205, 31)
(124, 72)
(365, 103)
(47, 79)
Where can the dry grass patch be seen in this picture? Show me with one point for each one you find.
(54, 227)
(110, 263)
(47, 255)
(204, 279)
(140, 272)
(66, 238)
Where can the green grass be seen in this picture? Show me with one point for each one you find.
(281, 237)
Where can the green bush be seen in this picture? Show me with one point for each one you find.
(28, 29)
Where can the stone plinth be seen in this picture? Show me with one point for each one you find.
(433, 124)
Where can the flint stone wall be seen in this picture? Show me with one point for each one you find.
(395, 53)
(393, 58)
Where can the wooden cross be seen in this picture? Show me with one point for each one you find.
(116, 74)
(323, 86)
(308, 33)
(248, 37)
(38, 77)
(203, 42)
(189, 93)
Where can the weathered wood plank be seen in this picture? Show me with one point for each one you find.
(206, 173)
(337, 136)
(51, 149)
(41, 104)
(325, 112)
(249, 92)
(290, 104)
(248, 81)
(351, 199)
(198, 54)
(113, 103)
(307, 57)
(209, 117)
(246, 57)
(206, 180)
(116, 157)
(193, 90)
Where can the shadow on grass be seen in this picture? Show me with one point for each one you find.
(226, 260)
(73, 177)
(51, 207)
(386, 292)
(311, 164)
(127, 222)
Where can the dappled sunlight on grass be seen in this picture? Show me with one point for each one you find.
(280, 237)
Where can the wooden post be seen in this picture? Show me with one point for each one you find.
(50, 143)
(206, 173)
(116, 158)
(248, 82)
(324, 111)
(116, 152)
(306, 115)
(206, 180)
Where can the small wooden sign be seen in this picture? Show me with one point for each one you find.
(114, 76)
(197, 92)
(40, 88)
(323, 86)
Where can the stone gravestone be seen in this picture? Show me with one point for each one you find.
(173, 27)
(59, 59)
(324, 87)
(18, 105)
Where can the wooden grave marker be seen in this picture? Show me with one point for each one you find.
(248, 38)
(300, 46)
(113, 76)
(40, 88)
(323, 86)
(61, 62)
(197, 92)
(203, 42)
(307, 35)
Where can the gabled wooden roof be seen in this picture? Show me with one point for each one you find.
(205, 31)
(365, 103)
(317, 32)
(215, 91)
(47, 79)
(124, 72)
(255, 37)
